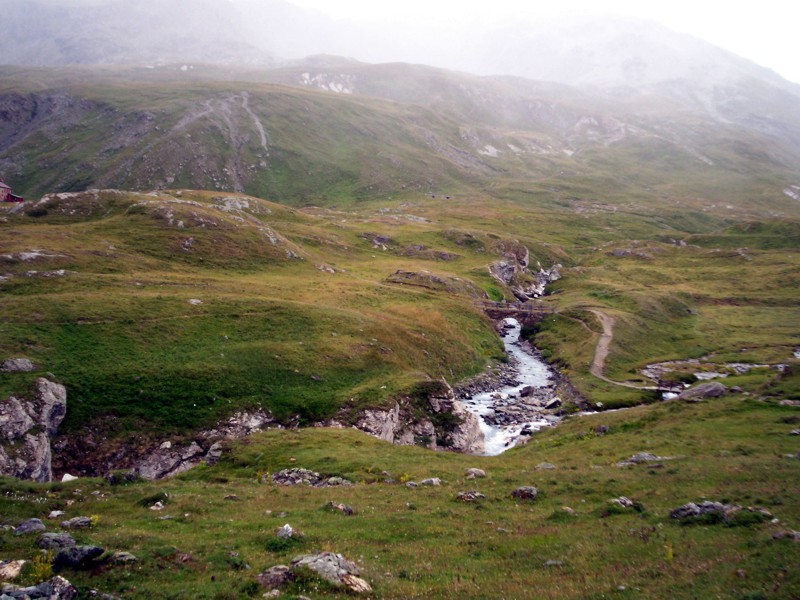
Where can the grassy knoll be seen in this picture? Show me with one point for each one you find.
(422, 543)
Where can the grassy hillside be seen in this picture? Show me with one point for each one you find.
(423, 543)
(405, 130)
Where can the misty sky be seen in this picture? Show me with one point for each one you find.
(764, 32)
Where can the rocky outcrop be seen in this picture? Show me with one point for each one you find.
(328, 566)
(429, 416)
(333, 568)
(513, 270)
(431, 281)
(171, 459)
(56, 588)
(26, 428)
(167, 461)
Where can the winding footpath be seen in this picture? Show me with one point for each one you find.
(601, 351)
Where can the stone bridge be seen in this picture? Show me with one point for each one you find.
(527, 313)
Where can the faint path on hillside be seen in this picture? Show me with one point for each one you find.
(256, 121)
(602, 348)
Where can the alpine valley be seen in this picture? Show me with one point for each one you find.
(260, 316)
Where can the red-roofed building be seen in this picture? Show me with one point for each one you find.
(6, 195)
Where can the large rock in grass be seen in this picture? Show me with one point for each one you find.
(25, 430)
(698, 393)
(77, 557)
(17, 365)
(30, 526)
(333, 568)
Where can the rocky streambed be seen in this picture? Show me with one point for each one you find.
(516, 401)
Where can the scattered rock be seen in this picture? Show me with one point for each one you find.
(601, 430)
(275, 577)
(345, 509)
(473, 473)
(123, 558)
(527, 391)
(623, 502)
(786, 534)
(55, 541)
(545, 466)
(789, 403)
(56, 588)
(67, 477)
(795, 432)
(298, 476)
(17, 365)
(10, 569)
(157, 506)
(553, 404)
(432, 481)
(29, 526)
(715, 512)
(642, 458)
(77, 557)
(77, 523)
(231, 497)
(525, 493)
(554, 563)
(570, 511)
(470, 496)
(333, 568)
(698, 393)
(285, 532)
(55, 514)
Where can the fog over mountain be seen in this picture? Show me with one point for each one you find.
(587, 50)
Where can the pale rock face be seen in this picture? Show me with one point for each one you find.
(52, 400)
(28, 455)
(396, 426)
(15, 418)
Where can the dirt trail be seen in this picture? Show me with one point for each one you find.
(601, 351)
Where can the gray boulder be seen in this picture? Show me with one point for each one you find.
(525, 493)
(470, 496)
(474, 472)
(123, 558)
(333, 568)
(77, 523)
(78, 557)
(698, 393)
(275, 577)
(29, 526)
(55, 541)
(17, 365)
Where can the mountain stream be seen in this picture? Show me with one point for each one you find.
(513, 411)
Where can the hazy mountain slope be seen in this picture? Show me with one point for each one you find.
(432, 131)
(34, 33)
